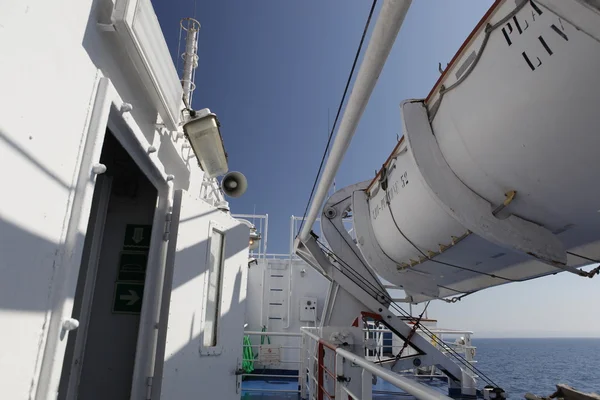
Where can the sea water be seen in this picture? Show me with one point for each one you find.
(516, 365)
(537, 365)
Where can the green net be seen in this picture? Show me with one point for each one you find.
(249, 356)
(248, 360)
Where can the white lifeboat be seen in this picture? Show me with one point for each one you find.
(496, 177)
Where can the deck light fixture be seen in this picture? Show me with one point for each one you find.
(203, 132)
(255, 236)
(254, 239)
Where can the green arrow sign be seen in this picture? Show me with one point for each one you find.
(137, 236)
(128, 298)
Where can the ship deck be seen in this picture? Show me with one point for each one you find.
(287, 389)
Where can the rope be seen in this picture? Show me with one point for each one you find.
(424, 329)
(387, 198)
(509, 198)
(457, 298)
(412, 332)
(488, 31)
(593, 272)
(357, 256)
(376, 294)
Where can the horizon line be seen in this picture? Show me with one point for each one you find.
(535, 337)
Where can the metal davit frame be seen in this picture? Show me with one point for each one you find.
(359, 291)
(337, 368)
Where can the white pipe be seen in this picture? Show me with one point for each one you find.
(311, 335)
(383, 37)
(416, 389)
(259, 229)
(289, 296)
(250, 216)
(327, 297)
(295, 334)
(332, 302)
(268, 308)
(292, 229)
(282, 256)
(147, 343)
(271, 390)
(266, 234)
(263, 307)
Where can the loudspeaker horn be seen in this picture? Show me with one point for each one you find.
(234, 184)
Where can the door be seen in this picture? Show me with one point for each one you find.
(205, 307)
(85, 290)
(100, 358)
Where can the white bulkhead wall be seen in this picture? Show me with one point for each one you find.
(202, 353)
(54, 58)
(275, 290)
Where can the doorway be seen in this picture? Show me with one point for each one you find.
(100, 355)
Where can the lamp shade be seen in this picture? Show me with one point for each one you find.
(255, 236)
(254, 239)
(204, 136)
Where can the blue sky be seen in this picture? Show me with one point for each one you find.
(273, 70)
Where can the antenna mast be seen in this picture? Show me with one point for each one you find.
(190, 57)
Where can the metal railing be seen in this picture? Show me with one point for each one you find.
(321, 363)
(461, 345)
(298, 347)
(328, 380)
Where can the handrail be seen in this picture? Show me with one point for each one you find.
(312, 348)
(260, 333)
(409, 386)
(299, 377)
(430, 330)
(310, 334)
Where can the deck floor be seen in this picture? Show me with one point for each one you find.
(287, 390)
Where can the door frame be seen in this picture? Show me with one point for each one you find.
(110, 112)
(103, 187)
(123, 127)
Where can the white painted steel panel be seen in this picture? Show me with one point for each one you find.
(48, 151)
(139, 30)
(189, 367)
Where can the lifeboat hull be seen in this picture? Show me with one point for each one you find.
(516, 111)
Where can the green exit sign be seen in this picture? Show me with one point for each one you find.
(137, 236)
(128, 298)
(132, 266)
